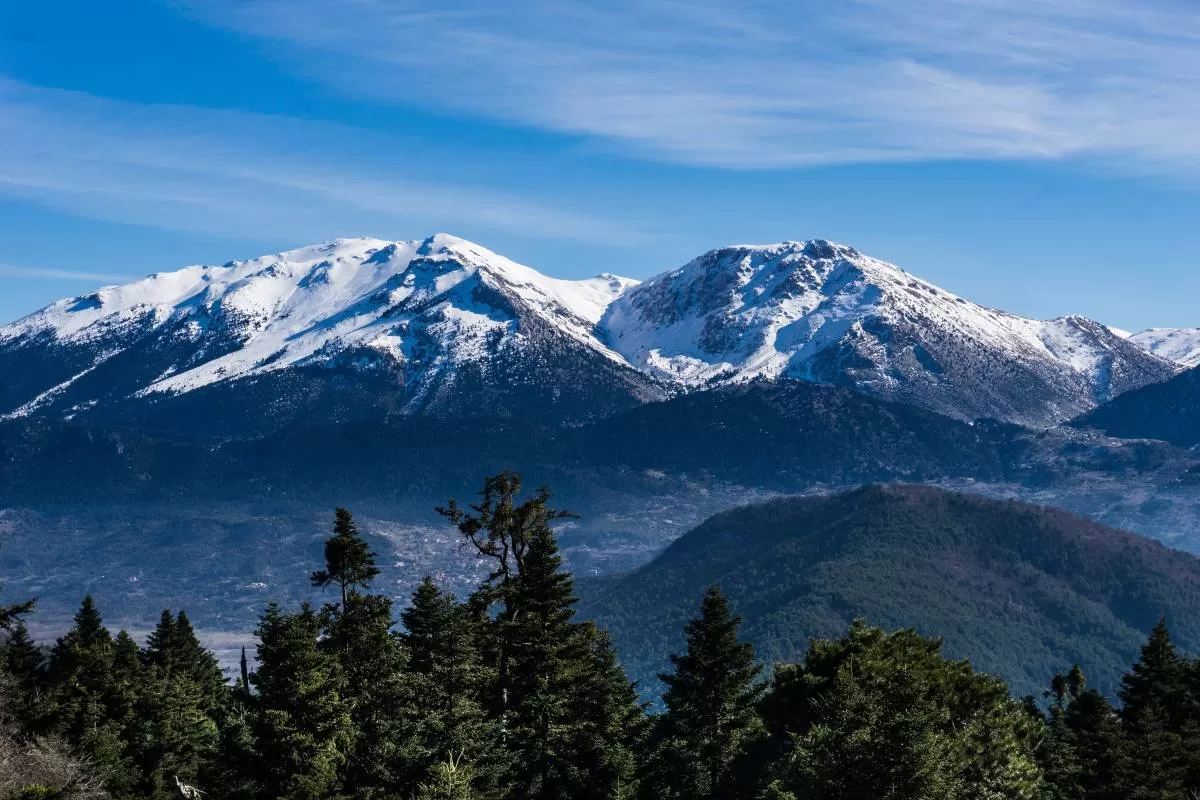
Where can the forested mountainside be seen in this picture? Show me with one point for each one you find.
(507, 696)
(1015, 587)
(777, 435)
(1169, 411)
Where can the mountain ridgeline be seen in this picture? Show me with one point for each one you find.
(364, 329)
(1015, 587)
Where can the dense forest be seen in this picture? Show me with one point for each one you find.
(1020, 589)
(506, 695)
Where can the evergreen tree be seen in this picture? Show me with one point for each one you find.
(11, 614)
(349, 562)
(94, 682)
(501, 531)
(358, 634)
(176, 731)
(244, 674)
(174, 737)
(885, 715)
(446, 683)
(559, 745)
(452, 780)
(710, 699)
(23, 660)
(1157, 679)
(1156, 701)
(302, 729)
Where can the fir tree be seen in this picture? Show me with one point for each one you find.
(11, 614)
(710, 699)
(501, 531)
(176, 730)
(452, 780)
(1156, 700)
(23, 661)
(358, 634)
(302, 730)
(547, 666)
(94, 684)
(446, 682)
(1157, 679)
(174, 736)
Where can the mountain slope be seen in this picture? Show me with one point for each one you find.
(360, 329)
(1169, 411)
(824, 312)
(1024, 591)
(423, 326)
(1181, 345)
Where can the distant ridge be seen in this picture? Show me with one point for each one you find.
(1025, 591)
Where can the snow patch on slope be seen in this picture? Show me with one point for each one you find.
(1181, 345)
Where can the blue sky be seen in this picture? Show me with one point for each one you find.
(1033, 156)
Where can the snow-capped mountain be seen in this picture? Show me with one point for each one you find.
(823, 312)
(438, 325)
(363, 327)
(1181, 345)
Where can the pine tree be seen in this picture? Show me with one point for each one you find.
(349, 562)
(302, 729)
(710, 699)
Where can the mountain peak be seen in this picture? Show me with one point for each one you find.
(822, 311)
(420, 313)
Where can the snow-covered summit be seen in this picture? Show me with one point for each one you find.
(423, 310)
(822, 311)
(447, 326)
(1181, 345)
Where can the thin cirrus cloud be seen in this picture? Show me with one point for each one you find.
(240, 174)
(775, 83)
(39, 273)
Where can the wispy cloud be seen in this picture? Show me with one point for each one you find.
(776, 83)
(241, 174)
(39, 273)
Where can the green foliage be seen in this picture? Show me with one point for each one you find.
(507, 696)
(1020, 590)
(452, 780)
(886, 715)
(447, 682)
(349, 562)
(710, 699)
(303, 730)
